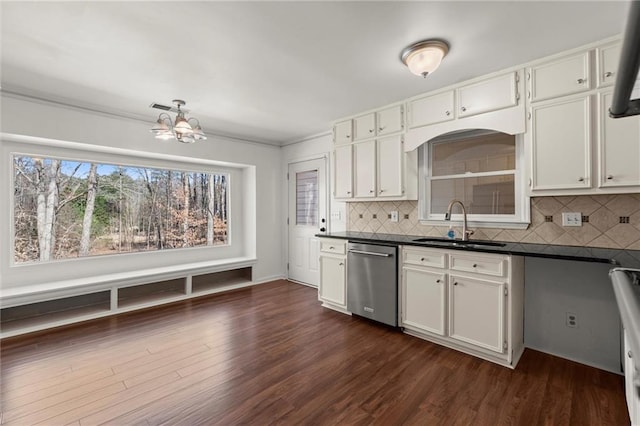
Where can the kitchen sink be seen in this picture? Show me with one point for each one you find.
(448, 242)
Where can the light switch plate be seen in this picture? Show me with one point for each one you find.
(335, 215)
(571, 219)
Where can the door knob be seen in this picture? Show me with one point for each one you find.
(323, 229)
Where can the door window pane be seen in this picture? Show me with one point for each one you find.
(307, 198)
(483, 153)
(480, 195)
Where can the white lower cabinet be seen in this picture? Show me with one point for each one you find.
(476, 312)
(424, 299)
(333, 274)
(469, 301)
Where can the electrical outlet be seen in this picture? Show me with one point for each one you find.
(394, 216)
(571, 320)
(571, 219)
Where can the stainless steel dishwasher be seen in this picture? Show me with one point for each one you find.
(372, 282)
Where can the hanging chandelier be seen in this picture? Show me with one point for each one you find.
(185, 130)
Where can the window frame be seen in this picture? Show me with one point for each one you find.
(519, 220)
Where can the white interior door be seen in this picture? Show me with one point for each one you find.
(307, 217)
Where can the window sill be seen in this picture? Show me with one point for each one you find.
(477, 224)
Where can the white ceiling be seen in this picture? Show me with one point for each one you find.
(273, 72)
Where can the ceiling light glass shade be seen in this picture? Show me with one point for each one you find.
(182, 126)
(160, 126)
(424, 57)
(198, 133)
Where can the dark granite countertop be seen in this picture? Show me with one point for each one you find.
(616, 257)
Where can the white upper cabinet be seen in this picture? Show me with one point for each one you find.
(431, 109)
(488, 95)
(618, 147)
(364, 127)
(390, 167)
(608, 59)
(343, 171)
(343, 132)
(386, 121)
(561, 144)
(364, 160)
(390, 120)
(561, 77)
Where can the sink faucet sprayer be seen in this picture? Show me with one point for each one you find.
(447, 216)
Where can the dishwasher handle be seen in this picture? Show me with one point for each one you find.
(370, 253)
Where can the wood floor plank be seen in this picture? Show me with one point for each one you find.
(271, 354)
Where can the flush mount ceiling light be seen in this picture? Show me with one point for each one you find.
(185, 130)
(425, 56)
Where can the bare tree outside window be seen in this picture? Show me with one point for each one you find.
(66, 209)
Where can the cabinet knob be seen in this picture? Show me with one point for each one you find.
(608, 74)
(422, 259)
(348, 192)
(381, 191)
(581, 80)
(438, 280)
(447, 113)
(580, 179)
(475, 265)
(381, 128)
(340, 264)
(371, 191)
(455, 283)
(609, 177)
(348, 136)
(331, 248)
(629, 354)
(463, 109)
(371, 130)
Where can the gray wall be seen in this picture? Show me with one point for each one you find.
(555, 287)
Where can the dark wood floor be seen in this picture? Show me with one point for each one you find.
(271, 354)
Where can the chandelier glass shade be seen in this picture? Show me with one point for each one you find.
(185, 130)
(424, 57)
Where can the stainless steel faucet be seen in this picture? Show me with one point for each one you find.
(447, 216)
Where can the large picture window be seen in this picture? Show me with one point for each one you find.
(66, 209)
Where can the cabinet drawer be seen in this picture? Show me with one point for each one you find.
(563, 77)
(333, 246)
(425, 257)
(486, 265)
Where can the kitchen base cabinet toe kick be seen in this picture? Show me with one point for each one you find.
(466, 301)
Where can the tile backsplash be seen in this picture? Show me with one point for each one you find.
(611, 221)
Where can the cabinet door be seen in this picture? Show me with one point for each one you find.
(561, 141)
(562, 77)
(390, 167)
(423, 300)
(342, 132)
(390, 120)
(619, 147)
(343, 172)
(608, 59)
(333, 284)
(477, 312)
(364, 127)
(431, 110)
(488, 95)
(365, 169)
